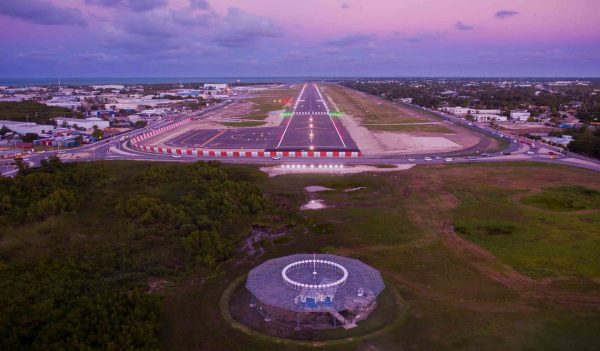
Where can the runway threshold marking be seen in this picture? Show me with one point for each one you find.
(213, 138)
(293, 113)
(332, 122)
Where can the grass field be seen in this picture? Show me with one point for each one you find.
(397, 224)
(243, 124)
(409, 128)
(499, 256)
(271, 100)
(373, 115)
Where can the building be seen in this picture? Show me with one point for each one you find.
(486, 117)
(87, 123)
(23, 128)
(217, 87)
(315, 290)
(463, 111)
(562, 141)
(520, 115)
(109, 86)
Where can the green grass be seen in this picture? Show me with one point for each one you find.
(392, 225)
(270, 100)
(243, 124)
(409, 128)
(396, 224)
(369, 111)
(566, 198)
(537, 242)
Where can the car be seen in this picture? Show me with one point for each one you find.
(449, 159)
(428, 159)
(530, 153)
(485, 155)
(276, 158)
(176, 156)
(438, 157)
(411, 159)
(471, 157)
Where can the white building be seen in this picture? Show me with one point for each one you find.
(136, 104)
(23, 128)
(70, 105)
(109, 86)
(463, 111)
(486, 117)
(520, 115)
(218, 87)
(563, 141)
(87, 123)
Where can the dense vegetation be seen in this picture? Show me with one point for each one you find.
(80, 242)
(586, 141)
(485, 95)
(33, 111)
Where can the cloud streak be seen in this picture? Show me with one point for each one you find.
(505, 14)
(462, 26)
(239, 28)
(134, 5)
(351, 40)
(42, 12)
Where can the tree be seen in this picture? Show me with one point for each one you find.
(140, 124)
(22, 166)
(97, 133)
(29, 137)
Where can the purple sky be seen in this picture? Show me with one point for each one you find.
(96, 38)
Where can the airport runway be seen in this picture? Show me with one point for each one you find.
(311, 127)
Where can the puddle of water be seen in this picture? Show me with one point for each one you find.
(314, 204)
(354, 189)
(316, 188)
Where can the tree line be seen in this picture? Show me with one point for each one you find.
(81, 240)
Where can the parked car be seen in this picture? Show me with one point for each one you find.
(449, 159)
(428, 159)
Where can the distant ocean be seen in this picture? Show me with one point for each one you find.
(155, 80)
(175, 80)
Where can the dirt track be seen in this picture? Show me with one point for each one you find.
(486, 263)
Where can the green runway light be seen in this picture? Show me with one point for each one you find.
(335, 114)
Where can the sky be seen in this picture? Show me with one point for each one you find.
(230, 38)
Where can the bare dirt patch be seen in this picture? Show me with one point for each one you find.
(274, 171)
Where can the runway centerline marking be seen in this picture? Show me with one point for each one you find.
(332, 122)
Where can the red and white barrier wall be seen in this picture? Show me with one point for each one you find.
(136, 142)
